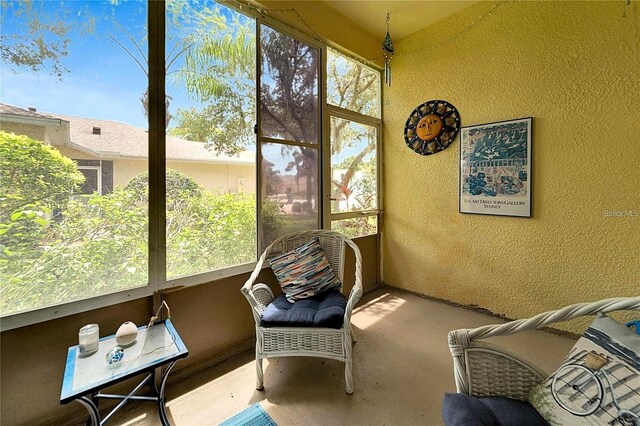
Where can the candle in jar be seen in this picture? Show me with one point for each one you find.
(88, 339)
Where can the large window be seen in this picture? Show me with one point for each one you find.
(103, 199)
(71, 228)
(353, 92)
(211, 145)
(288, 134)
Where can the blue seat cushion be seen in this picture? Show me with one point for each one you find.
(322, 310)
(459, 409)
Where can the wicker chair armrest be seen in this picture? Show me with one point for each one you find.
(263, 296)
(547, 318)
(464, 341)
(255, 293)
(248, 285)
(356, 292)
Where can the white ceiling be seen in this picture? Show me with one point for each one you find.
(407, 17)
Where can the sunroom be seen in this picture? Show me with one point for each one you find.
(481, 155)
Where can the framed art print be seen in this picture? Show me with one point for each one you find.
(495, 168)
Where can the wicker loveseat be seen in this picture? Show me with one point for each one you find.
(324, 342)
(484, 370)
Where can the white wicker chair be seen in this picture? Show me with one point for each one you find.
(482, 369)
(306, 341)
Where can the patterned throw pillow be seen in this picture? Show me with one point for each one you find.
(598, 382)
(304, 271)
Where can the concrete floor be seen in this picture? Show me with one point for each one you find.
(402, 368)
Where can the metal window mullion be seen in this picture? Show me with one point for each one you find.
(326, 150)
(157, 143)
(357, 117)
(320, 160)
(265, 139)
(258, 132)
(379, 189)
(353, 214)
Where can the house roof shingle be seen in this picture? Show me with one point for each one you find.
(13, 113)
(120, 140)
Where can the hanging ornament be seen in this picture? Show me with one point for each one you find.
(387, 49)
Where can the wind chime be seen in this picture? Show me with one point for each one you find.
(387, 49)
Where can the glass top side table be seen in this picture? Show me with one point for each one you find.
(85, 376)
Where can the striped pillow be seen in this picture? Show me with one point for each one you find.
(304, 271)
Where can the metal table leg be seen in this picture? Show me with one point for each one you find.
(161, 407)
(94, 414)
(153, 385)
(96, 402)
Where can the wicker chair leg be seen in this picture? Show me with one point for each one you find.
(353, 335)
(259, 374)
(348, 359)
(348, 377)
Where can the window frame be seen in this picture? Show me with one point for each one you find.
(98, 170)
(331, 111)
(261, 140)
(156, 164)
(157, 282)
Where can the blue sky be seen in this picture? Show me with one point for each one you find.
(103, 82)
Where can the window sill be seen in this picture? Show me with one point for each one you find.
(49, 313)
(25, 318)
(207, 277)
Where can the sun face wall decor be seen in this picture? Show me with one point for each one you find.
(431, 127)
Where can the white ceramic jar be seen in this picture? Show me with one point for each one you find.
(126, 334)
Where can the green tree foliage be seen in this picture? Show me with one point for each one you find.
(35, 179)
(219, 72)
(43, 43)
(180, 188)
(217, 231)
(34, 173)
(98, 244)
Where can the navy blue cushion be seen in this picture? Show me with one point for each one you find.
(460, 409)
(322, 310)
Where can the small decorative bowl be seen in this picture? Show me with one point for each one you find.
(114, 356)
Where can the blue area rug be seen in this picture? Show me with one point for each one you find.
(252, 416)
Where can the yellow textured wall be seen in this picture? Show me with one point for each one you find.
(574, 67)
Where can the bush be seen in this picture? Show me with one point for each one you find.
(34, 179)
(100, 245)
(33, 173)
(180, 187)
(212, 232)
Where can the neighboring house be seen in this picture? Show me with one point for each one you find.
(110, 153)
